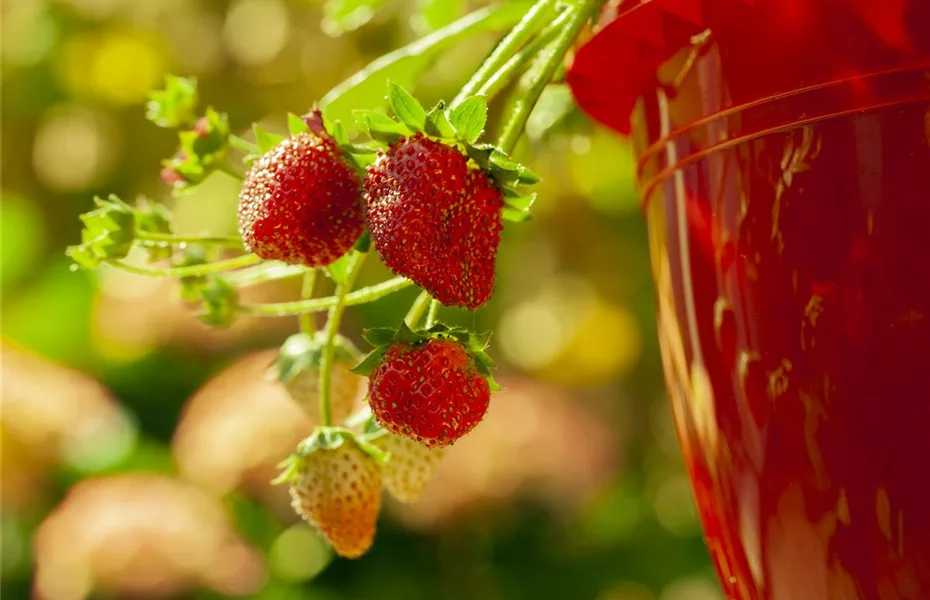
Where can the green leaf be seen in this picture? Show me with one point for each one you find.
(265, 139)
(370, 362)
(434, 14)
(338, 268)
(514, 215)
(175, 105)
(340, 16)
(437, 122)
(469, 118)
(379, 336)
(296, 125)
(380, 126)
(406, 107)
(404, 66)
(523, 203)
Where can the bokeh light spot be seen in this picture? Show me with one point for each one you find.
(256, 30)
(74, 149)
(299, 554)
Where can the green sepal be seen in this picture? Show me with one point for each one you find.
(515, 216)
(154, 217)
(338, 269)
(362, 155)
(191, 289)
(438, 124)
(221, 302)
(363, 243)
(302, 351)
(368, 364)
(406, 107)
(379, 336)
(517, 208)
(469, 118)
(108, 233)
(296, 125)
(380, 126)
(339, 133)
(173, 106)
(326, 438)
(265, 140)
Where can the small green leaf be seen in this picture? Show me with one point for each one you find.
(469, 118)
(340, 16)
(363, 243)
(437, 122)
(265, 139)
(175, 105)
(523, 203)
(296, 125)
(338, 268)
(514, 215)
(380, 126)
(370, 362)
(379, 336)
(406, 107)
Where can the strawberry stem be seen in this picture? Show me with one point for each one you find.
(433, 313)
(171, 239)
(535, 18)
(190, 271)
(264, 272)
(329, 334)
(502, 76)
(417, 309)
(306, 292)
(543, 70)
(299, 307)
(243, 145)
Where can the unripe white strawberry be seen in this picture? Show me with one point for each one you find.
(410, 467)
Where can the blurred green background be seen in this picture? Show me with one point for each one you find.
(137, 444)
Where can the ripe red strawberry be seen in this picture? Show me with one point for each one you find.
(435, 219)
(433, 392)
(338, 491)
(410, 468)
(300, 203)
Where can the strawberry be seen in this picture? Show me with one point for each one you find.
(410, 467)
(436, 199)
(435, 220)
(335, 485)
(432, 387)
(300, 202)
(297, 367)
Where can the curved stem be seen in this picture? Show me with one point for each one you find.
(306, 292)
(362, 296)
(329, 335)
(417, 309)
(534, 19)
(502, 77)
(227, 168)
(264, 272)
(170, 238)
(243, 145)
(190, 271)
(547, 63)
(433, 313)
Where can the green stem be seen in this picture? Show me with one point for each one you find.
(329, 334)
(226, 168)
(306, 292)
(362, 296)
(169, 238)
(190, 271)
(417, 309)
(243, 145)
(264, 272)
(490, 88)
(534, 19)
(433, 313)
(544, 69)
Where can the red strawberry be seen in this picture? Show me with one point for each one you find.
(300, 203)
(410, 467)
(435, 219)
(338, 491)
(432, 393)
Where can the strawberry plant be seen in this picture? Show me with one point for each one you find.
(426, 189)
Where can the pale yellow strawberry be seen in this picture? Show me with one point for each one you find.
(338, 491)
(410, 467)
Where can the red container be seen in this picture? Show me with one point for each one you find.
(785, 168)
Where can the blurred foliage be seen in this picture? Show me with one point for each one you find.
(575, 491)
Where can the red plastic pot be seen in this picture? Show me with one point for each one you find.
(784, 161)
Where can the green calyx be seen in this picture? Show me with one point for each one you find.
(302, 352)
(202, 149)
(460, 126)
(108, 233)
(383, 338)
(326, 438)
(173, 106)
